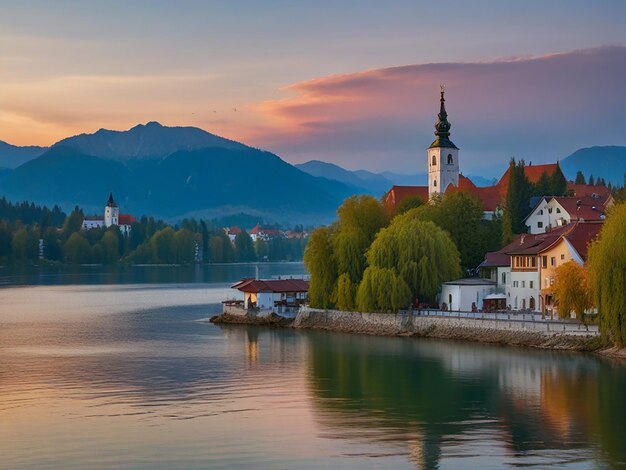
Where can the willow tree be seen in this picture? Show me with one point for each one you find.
(422, 254)
(359, 219)
(319, 260)
(382, 290)
(345, 293)
(572, 290)
(607, 266)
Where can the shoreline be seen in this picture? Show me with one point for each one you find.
(389, 324)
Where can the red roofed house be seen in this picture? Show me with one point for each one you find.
(267, 296)
(553, 212)
(112, 216)
(444, 175)
(264, 233)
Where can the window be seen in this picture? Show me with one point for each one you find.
(503, 278)
(449, 300)
(434, 162)
(545, 282)
(523, 304)
(541, 212)
(523, 283)
(531, 303)
(435, 183)
(539, 224)
(558, 210)
(544, 261)
(562, 256)
(530, 284)
(450, 159)
(552, 261)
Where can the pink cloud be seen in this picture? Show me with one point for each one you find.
(537, 108)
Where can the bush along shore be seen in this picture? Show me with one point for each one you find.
(514, 333)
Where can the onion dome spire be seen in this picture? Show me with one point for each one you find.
(442, 127)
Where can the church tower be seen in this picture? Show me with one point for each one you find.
(443, 155)
(111, 212)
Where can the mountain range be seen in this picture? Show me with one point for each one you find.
(176, 172)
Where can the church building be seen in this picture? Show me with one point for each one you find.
(444, 174)
(112, 216)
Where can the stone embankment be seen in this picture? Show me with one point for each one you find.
(513, 333)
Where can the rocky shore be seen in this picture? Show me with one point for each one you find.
(381, 324)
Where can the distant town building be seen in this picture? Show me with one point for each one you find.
(111, 217)
(259, 232)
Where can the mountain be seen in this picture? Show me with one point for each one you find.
(12, 156)
(151, 140)
(208, 182)
(360, 181)
(608, 162)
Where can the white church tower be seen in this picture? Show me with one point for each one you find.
(443, 156)
(111, 212)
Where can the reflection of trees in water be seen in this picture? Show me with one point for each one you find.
(536, 404)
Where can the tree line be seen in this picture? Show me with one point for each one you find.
(370, 260)
(30, 234)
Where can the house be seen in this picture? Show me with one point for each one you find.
(572, 246)
(271, 295)
(259, 232)
(553, 212)
(466, 295)
(444, 176)
(532, 261)
(232, 233)
(111, 217)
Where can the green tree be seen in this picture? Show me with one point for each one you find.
(5, 239)
(261, 249)
(185, 243)
(580, 178)
(110, 247)
(408, 203)
(558, 182)
(24, 245)
(220, 248)
(422, 254)
(607, 266)
(516, 206)
(382, 290)
(77, 249)
(162, 245)
(320, 263)
(52, 246)
(345, 293)
(359, 218)
(73, 222)
(591, 181)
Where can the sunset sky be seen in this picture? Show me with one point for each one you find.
(350, 82)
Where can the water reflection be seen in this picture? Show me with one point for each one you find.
(443, 400)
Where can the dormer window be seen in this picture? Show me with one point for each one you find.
(450, 159)
(434, 160)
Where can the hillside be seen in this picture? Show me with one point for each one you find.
(360, 181)
(209, 182)
(608, 162)
(12, 156)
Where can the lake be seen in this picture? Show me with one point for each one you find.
(111, 368)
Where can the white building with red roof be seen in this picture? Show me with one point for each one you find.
(551, 212)
(111, 217)
(264, 296)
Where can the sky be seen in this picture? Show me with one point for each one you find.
(355, 83)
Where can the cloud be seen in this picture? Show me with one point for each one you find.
(537, 108)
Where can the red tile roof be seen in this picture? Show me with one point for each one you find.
(495, 259)
(272, 285)
(586, 190)
(583, 208)
(397, 193)
(489, 196)
(583, 234)
(126, 219)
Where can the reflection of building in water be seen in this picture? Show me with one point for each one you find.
(424, 451)
(252, 346)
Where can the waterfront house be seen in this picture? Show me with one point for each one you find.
(269, 295)
(466, 295)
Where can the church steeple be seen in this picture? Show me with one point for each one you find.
(442, 127)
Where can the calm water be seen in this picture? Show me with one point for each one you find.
(125, 376)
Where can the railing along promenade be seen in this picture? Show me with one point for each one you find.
(508, 321)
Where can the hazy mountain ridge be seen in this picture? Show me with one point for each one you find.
(151, 140)
(12, 156)
(608, 162)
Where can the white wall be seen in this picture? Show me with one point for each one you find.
(441, 172)
(463, 296)
(548, 214)
(519, 289)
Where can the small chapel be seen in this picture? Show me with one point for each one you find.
(111, 217)
(444, 174)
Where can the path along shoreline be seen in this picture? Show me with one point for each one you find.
(512, 333)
